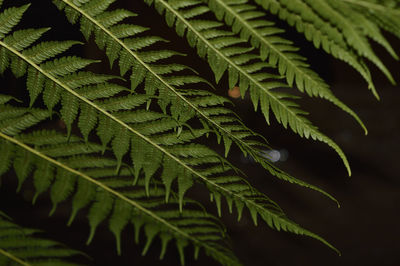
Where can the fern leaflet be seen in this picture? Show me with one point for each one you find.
(130, 203)
(250, 23)
(75, 168)
(326, 27)
(20, 246)
(184, 159)
(180, 162)
(383, 15)
(207, 106)
(222, 53)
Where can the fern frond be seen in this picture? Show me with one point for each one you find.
(223, 55)
(130, 56)
(6, 98)
(220, 179)
(182, 162)
(326, 27)
(118, 187)
(166, 79)
(21, 246)
(263, 34)
(354, 38)
(369, 28)
(386, 14)
(96, 185)
(13, 120)
(111, 127)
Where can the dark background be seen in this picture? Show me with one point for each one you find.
(366, 227)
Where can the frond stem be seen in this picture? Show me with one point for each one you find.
(12, 257)
(311, 129)
(51, 77)
(249, 149)
(325, 93)
(55, 80)
(160, 78)
(106, 188)
(259, 36)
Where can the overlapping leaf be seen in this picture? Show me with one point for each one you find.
(118, 124)
(328, 25)
(74, 169)
(221, 49)
(95, 185)
(385, 15)
(264, 35)
(21, 246)
(123, 43)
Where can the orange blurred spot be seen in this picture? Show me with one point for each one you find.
(234, 92)
(61, 124)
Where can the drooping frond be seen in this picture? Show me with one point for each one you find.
(74, 153)
(21, 246)
(14, 119)
(101, 172)
(223, 54)
(96, 185)
(129, 156)
(165, 78)
(368, 28)
(150, 150)
(263, 34)
(328, 25)
(123, 44)
(385, 15)
(53, 161)
(338, 16)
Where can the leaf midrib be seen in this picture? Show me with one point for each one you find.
(12, 257)
(250, 150)
(288, 110)
(94, 21)
(154, 73)
(264, 40)
(122, 124)
(49, 76)
(106, 188)
(323, 91)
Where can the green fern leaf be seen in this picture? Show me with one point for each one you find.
(107, 193)
(206, 105)
(6, 98)
(384, 15)
(217, 176)
(14, 120)
(349, 46)
(351, 34)
(250, 23)
(262, 88)
(233, 188)
(9, 18)
(369, 28)
(21, 246)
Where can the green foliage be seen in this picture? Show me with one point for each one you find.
(338, 29)
(167, 80)
(224, 53)
(21, 246)
(131, 153)
(111, 195)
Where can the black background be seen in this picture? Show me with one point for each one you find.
(366, 227)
